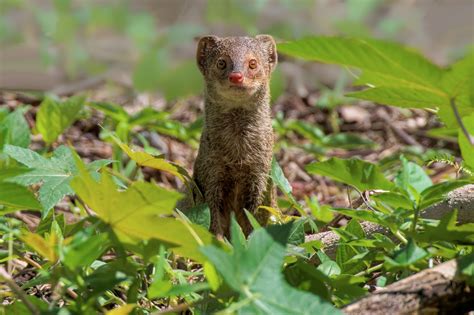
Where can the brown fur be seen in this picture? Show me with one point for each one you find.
(234, 159)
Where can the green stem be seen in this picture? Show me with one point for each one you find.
(401, 237)
(459, 120)
(369, 270)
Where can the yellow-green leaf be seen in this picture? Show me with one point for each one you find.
(45, 248)
(122, 310)
(141, 212)
(145, 159)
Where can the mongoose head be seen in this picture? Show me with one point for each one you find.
(236, 68)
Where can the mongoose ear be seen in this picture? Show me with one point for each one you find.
(206, 43)
(270, 46)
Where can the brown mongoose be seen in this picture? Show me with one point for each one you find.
(234, 159)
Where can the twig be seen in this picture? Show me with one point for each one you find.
(18, 291)
(459, 120)
(31, 262)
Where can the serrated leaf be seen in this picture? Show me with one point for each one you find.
(357, 173)
(55, 116)
(54, 173)
(395, 74)
(402, 97)
(136, 214)
(251, 270)
(397, 63)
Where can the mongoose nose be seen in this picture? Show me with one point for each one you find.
(236, 77)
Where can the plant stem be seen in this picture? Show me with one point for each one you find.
(18, 291)
(459, 120)
(401, 237)
(415, 218)
(369, 270)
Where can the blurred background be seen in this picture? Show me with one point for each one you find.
(149, 45)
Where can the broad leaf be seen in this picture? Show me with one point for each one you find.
(402, 97)
(412, 175)
(159, 163)
(250, 271)
(14, 130)
(398, 65)
(394, 200)
(357, 173)
(138, 213)
(54, 173)
(408, 255)
(56, 116)
(17, 197)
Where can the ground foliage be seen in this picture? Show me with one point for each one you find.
(88, 190)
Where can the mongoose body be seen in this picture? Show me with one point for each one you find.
(234, 159)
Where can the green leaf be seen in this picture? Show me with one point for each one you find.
(251, 270)
(138, 213)
(320, 213)
(346, 141)
(410, 254)
(447, 230)
(159, 163)
(56, 116)
(412, 175)
(459, 78)
(466, 268)
(17, 197)
(305, 277)
(398, 65)
(279, 179)
(14, 130)
(200, 215)
(357, 173)
(437, 193)
(365, 215)
(402, 97)
(329, 268)
(394, 200)
(54, 173)
(84, 249)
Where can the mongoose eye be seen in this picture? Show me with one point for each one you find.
(253, 64)
(221, 64)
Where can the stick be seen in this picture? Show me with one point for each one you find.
(18, 291)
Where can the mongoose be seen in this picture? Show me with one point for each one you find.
(234, 159)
